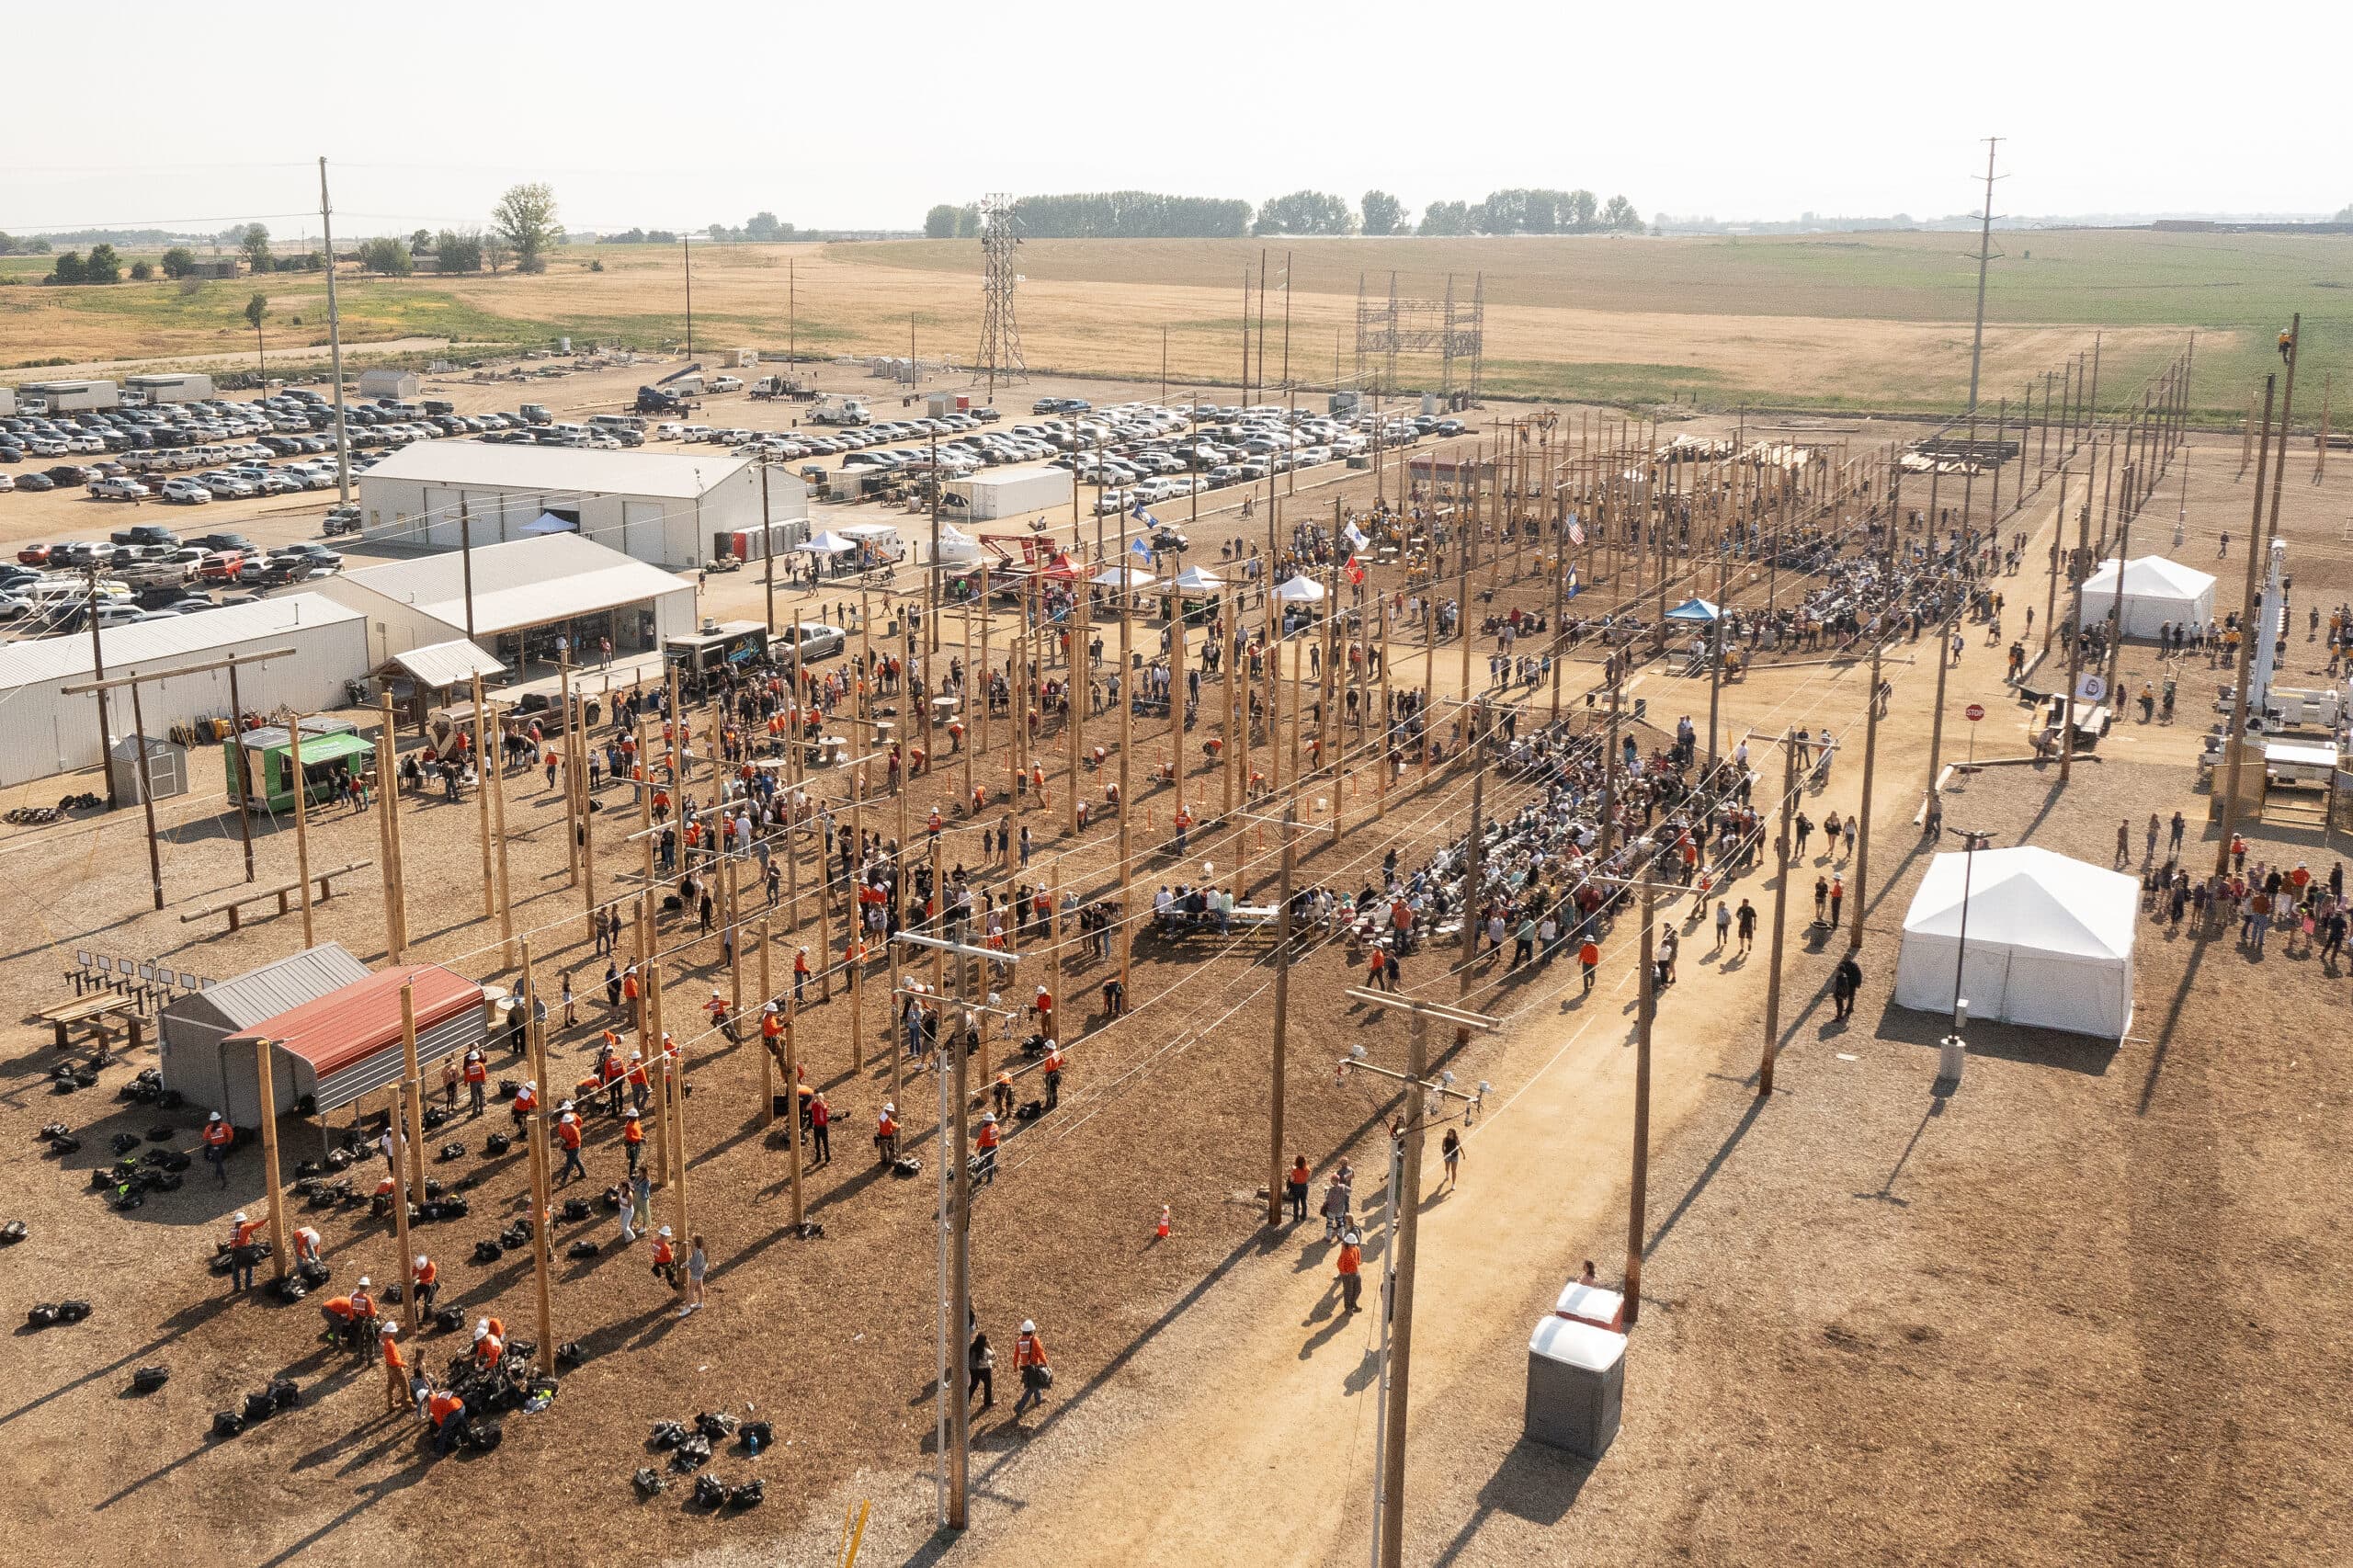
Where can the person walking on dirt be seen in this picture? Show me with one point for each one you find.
(1295, 1188)
(1723, 924)
(2125, 842)
(1845, 981)
(1350, 1267)
(1450, 1150)
(1588, 960)
(1837, 897)
(1746, 921)
(1029, 1359)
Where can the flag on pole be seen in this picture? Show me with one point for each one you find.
(1572, 590)
(1576, 531)
(1356, 539)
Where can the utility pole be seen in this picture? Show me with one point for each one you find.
(1984, 256)
(1870, 757)
(2257, 549)
(1780, 914)
(1636, 1209)
(1406, 1192)
(1277, 1079)
(98, 675)
(335, 345)
(686, 251)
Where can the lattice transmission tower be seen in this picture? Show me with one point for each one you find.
(1000, 358)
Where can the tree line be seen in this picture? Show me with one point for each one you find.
(1140, 214)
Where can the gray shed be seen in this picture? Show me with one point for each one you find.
(193, 1027)
(166, 768)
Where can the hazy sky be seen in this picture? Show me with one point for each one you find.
(861, 116)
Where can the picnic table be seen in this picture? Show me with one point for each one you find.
(97, 1015)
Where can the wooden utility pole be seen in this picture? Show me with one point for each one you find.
(494, 783)
(2235, 742)
(1870, 761)
(2074, 632)
(388, 805)
(1405, 1154)
(1278, 1081)
(1636, 1211)
(272, 1183)
(1788, 743)
(301, 824)
(482, 789)
(543, 1205)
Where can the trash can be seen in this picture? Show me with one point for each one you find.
(1576, 1381)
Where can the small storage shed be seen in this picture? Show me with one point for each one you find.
(191, 1028)
(166, 768)
(330, 1051)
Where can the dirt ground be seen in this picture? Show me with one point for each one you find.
(1897, 1275)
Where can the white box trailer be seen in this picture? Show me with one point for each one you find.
(68, 397)
(7, 402)
(177, 388)
(1011, 492)
(401, 384)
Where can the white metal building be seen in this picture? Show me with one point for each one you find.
(187, 387)
(525, 595)
(388, 383)
(662, 508)
(44, 732)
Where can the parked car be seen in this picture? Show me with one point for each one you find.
(187, 492)
(118, 489)
(341, 520)
(35, 482)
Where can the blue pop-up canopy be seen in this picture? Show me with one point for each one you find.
(1694, 609)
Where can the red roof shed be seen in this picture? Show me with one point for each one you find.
(331, 1051)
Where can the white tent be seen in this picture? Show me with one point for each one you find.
(957, 548)
(2050, 941)
(1134, 577)
(548, 523)
(2155, 591)
(1301, 591)
(826, 543)
(1196, 580)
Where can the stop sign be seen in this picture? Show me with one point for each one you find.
(1973, 712)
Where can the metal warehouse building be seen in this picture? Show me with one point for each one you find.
(522, 595)
(662, 508)
(43, 732)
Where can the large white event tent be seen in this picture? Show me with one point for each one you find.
(2155, 591)
(2050, 941)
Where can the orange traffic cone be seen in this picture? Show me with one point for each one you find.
(1160, 1232)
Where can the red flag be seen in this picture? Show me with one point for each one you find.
(1356, 572)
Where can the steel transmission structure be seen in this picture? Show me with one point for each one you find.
(1000, 357)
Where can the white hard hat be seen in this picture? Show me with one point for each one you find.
(391, 1327)
(714, 992)
(768, 1006)
(365, 1282)
(1029, 1327)
(567, 1115)
(887, 1106)
(420, 1260)
(663, 1231)
(565, 1106)
(988, 1116)
(240, 1217)
(530, 1083)
(637, 1056)
(481, 1328)
(214, 1117)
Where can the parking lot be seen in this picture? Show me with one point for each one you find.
(250, 483)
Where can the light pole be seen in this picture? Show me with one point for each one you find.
(1954, 1052)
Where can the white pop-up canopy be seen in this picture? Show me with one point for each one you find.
(1196, 580)
(2155, 591)
(1122, 577)
(826, 543)
(2050, 941)
(1300, 591)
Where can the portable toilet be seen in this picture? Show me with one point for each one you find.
(1576, 1385)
